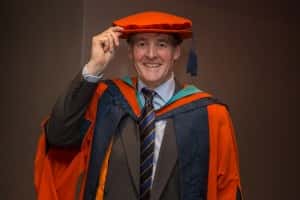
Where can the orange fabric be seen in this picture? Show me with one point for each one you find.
(53, 171)
(129, 95)
(182, 102)
(39, 157)
(58, 170)
(103, 173)
(153, 21)
(223, 178)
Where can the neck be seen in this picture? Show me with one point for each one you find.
(153, 86)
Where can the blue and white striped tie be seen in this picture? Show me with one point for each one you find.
(147, 136)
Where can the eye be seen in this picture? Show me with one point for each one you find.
(140, 44)
(163, 44)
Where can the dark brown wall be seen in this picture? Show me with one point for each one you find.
(246, 52)
(42, 48)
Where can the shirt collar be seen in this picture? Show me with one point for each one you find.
(165, 91)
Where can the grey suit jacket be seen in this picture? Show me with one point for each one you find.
(123, 172)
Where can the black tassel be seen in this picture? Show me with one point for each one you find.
(192, 65)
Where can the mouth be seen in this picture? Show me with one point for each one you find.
(152, 65)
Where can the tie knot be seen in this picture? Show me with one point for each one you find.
(148, 94)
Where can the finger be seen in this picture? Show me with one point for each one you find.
(104, 44)
(99, 35)
(98, 42)
(111, 43)
(115, 39)
(113, 28)
(117, 28)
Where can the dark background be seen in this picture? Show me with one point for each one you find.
(247, 54)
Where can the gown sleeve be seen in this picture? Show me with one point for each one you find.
(224, 177)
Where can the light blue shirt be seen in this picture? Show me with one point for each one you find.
(90, 78)
(164, 93)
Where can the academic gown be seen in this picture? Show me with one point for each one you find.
(198, 158)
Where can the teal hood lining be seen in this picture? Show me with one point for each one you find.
(186, 91)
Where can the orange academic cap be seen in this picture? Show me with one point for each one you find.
(153, 21)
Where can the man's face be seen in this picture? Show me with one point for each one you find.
(153, 56)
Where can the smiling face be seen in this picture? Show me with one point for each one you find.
(153, 56)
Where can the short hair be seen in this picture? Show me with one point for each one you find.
(176, 39)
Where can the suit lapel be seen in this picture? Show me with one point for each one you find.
(131, 143)
(166, 161)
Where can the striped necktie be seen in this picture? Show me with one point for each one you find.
(147, 135)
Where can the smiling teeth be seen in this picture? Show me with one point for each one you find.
(152, 65)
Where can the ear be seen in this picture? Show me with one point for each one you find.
(130, 52)
(177, 52)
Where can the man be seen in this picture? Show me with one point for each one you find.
(138, 138)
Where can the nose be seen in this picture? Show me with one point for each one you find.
(151, 51)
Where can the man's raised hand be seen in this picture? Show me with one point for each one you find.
(102, 49)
